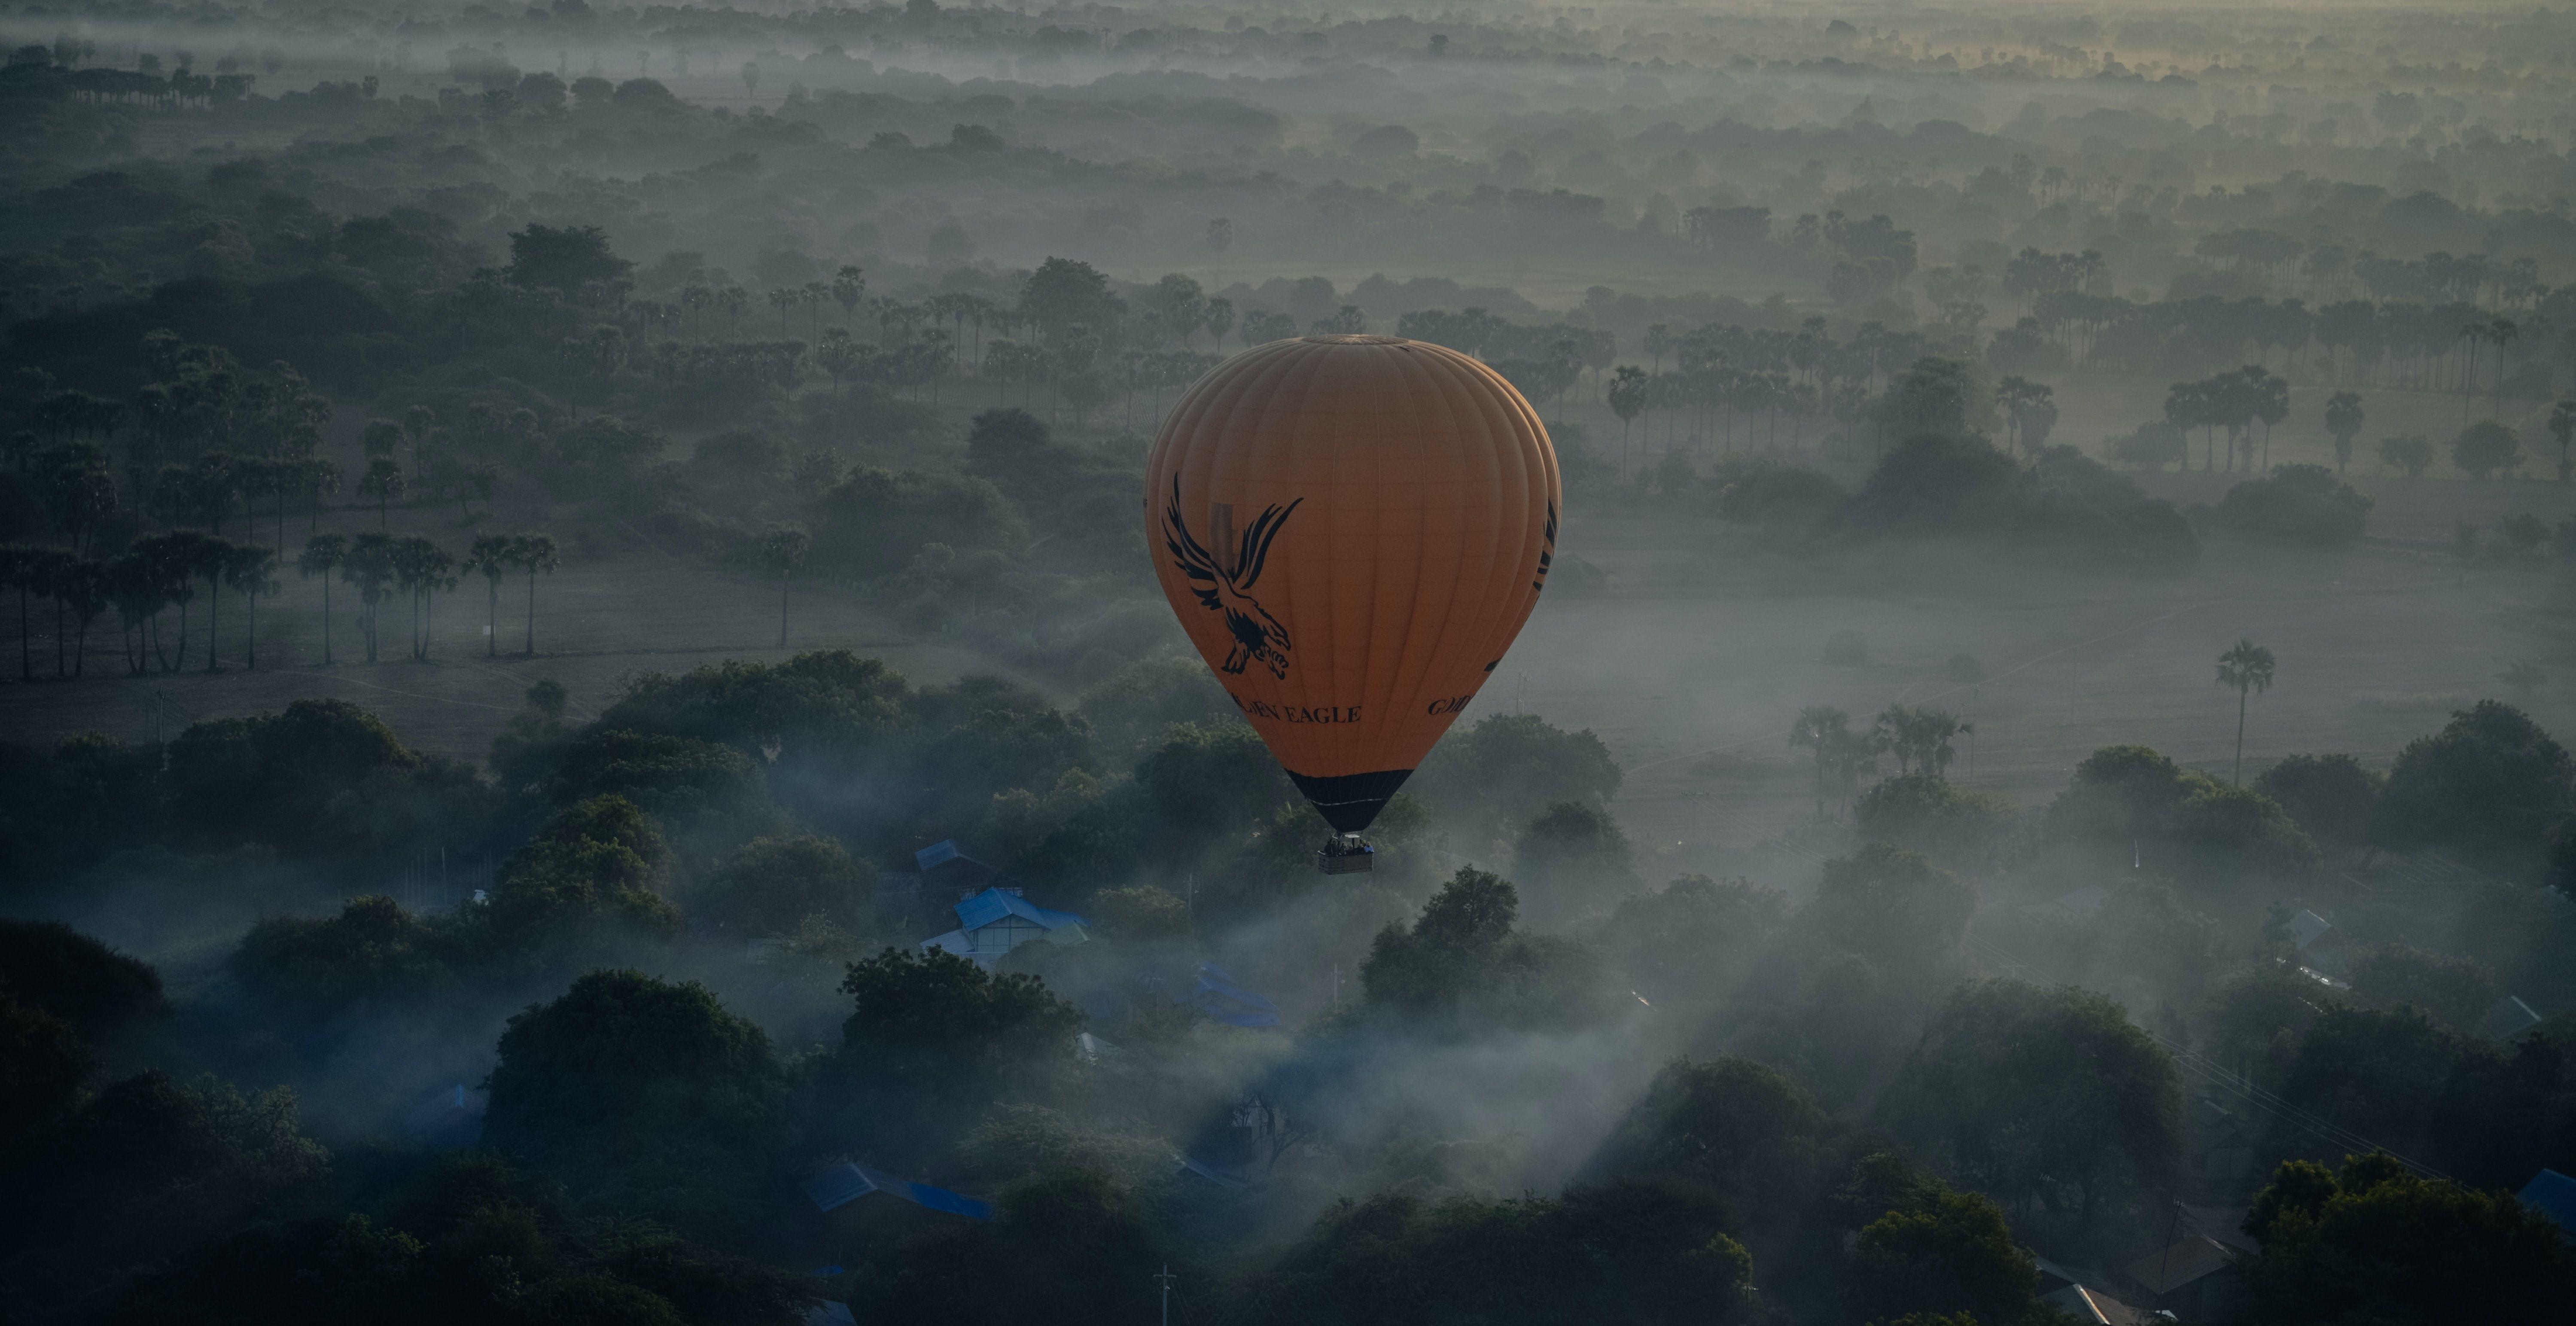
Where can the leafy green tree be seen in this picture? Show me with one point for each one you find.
(1508, 768)
(1950, 824)
(1574, 847)
(1462, 965)
(2408, 454)
(566, 259)
(2330, 797)
(1987, 1095)
(2247, 667)
(101, 994)
(372, 948)
(1944, 1252)
(1893, 907)
(934, 1041)
(2371, 1242)
(647, 1097)
(1640, 1251)
(2455, 992)
(591, 878)
(43, 1065)
(2297, 504)
(145, 1158)
(1212, 783)
(773, 884)
(1751, 1136)
(1093, 1241)
(2489, 784)
(1687, 941)
(1134, 707)
(2487, 447)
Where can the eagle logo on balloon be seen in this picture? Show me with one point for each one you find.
(1258, 636)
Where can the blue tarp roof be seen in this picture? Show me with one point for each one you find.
(845, 1183)
(2554, 1195)
(937, 854)
(993, 904)
(1216, 995)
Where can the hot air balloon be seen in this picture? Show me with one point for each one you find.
(1352, 529)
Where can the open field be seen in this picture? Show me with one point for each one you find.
(1690, 666)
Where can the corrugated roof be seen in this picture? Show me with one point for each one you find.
(2554, 1195)
(2092, 1307)
(2510, 1018)
(937, 854)
(2187, 1260)
(837, 1187)
(2306, 926)
(845, 1183)
(1216, 995)
(993, 904)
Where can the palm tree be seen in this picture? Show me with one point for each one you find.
(2344, 419)
(249, 570)
(2472, 333)
(47, 570)
(85, 588)
(2562, 425)
(782, 552)
(322, 555)
(533, 553)
(491, 556)
(420, 570)
(2502, 331)
(384, 482)
(1825, 730)
(369, 566)
(1627, 399)
(18, 572)
(212, 556)
(2246, 666)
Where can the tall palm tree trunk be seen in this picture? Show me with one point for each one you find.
(2239, 776)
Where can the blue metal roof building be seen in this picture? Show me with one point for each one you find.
(997, 920)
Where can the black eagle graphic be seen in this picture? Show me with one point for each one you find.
(1258, 636)
(1546, 555)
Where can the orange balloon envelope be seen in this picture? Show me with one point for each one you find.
(1352, 529)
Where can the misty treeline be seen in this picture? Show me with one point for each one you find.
(1740, 1107)
(885, 301)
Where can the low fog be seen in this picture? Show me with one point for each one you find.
(582, 675)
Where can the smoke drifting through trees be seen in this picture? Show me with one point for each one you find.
(1852, 900)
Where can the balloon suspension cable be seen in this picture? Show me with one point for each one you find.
(1345, 854)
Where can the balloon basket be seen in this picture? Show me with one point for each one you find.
(1345, 854)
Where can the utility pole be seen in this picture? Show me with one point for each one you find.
(1166, 1278)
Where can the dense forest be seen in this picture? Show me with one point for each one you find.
(592, 736)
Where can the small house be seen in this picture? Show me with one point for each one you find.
(2554, 1195)
(2509, 1018)
(997, 920)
